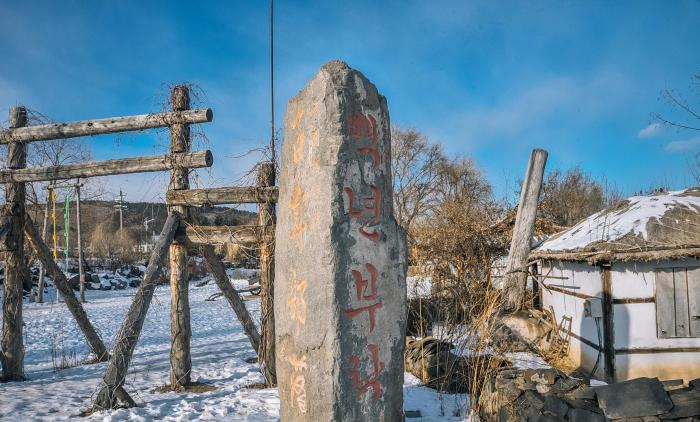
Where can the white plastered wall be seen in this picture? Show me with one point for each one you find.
(579, 278)
(635, 327)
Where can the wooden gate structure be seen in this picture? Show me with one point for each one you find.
(179, 237)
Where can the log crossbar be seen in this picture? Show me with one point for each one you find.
(104, 126)
(197, 159)
(221, 196)
(194, 236)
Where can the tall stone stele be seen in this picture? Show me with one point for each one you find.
(340, 280)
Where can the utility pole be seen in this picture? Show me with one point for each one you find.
(121, 209)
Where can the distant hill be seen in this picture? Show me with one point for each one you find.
(141, 219)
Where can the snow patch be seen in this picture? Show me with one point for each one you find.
(607, 226)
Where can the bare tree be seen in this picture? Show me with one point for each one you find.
(688, 119)
(415, 166)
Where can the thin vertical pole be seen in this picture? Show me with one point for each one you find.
(121, 214)
(81, 270)
(44, 233)
(272, 83)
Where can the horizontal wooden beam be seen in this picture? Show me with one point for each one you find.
(109, 167)
(104, 126)
(220, 196)
(220, 235)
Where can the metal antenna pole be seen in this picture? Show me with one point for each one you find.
(272, 83)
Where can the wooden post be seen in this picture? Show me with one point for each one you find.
(216, 268)
(266, 216)
(110, 391)
(11, 343)
(608, 324)
(516, 269)
(180, 330)
(76, 309)
(81, 269)
(44, 233)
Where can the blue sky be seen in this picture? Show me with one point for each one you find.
(490, 80)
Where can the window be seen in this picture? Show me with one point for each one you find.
(678, 302)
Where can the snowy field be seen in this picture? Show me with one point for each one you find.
(219, 353)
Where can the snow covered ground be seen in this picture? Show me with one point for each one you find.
(219, 351)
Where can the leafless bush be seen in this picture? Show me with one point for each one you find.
(114, 245)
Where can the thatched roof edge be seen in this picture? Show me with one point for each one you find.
(630, 255)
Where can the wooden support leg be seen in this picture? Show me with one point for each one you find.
(110, 393)
(216, 268)
(15, 265)
(72, 303)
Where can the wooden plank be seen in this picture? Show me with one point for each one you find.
(567, 292)
(109, 167)
(665, 308)
(220, 235)
(104, 126)
(216, 268)
(633, 300)
(655, 350)
(694, 300)
(680, 295)
(110, 390)
(221, 196)
(76, 309)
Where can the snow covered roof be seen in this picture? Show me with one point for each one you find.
(659, 226)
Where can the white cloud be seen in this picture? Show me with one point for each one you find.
(684, 146)
(548, 103)
(654, 129)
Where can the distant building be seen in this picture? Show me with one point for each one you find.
(628, 278)
(147, 245)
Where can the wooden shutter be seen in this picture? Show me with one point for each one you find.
(694, 300)
(680, 293)
(665, 303)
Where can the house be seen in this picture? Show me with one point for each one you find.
(626, 281)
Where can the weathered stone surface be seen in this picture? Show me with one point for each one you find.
(340, 288)
(580, 415)
(555, 406)
(686, 403)
(633, 398)
(550, 418)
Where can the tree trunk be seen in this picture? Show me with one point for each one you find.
(76, 309)
(516, 270)
(180, 330)
(11, 343)
(110, 391)
(266, 216)
(216, 268)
